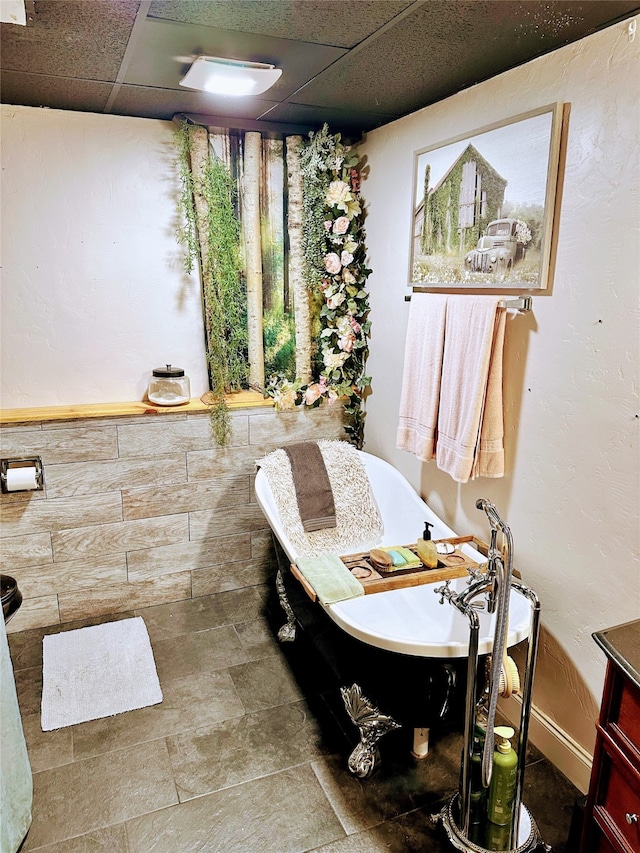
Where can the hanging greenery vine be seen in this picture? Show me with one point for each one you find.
(211, 235)
(336, 273)
(187, 233)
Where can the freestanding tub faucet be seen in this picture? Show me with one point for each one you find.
(456, 816)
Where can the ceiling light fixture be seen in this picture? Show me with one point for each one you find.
(230, 76)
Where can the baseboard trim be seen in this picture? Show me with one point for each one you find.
(554, 743)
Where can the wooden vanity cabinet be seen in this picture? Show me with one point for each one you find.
(612, 816)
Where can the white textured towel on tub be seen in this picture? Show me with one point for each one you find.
(358, 521)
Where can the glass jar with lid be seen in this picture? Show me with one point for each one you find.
(168, 386)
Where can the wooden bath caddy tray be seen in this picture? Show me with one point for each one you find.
(450, 566)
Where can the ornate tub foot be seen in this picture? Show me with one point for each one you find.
(287, 633)
(372, 725)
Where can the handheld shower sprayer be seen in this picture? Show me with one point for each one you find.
(494, 555)
(492, 514)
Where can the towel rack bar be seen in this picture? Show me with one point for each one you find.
(520, 303)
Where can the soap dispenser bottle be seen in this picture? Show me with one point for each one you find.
(427, 549)
(503, 779)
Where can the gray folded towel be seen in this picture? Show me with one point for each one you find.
(313, 489)
(330, 578)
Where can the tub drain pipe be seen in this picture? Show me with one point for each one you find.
(501, 576)
(527, 695)
(460, 603)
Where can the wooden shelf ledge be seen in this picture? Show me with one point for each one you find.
(239, 400)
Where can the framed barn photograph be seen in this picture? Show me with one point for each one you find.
(486, 205)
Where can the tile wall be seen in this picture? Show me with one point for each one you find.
(142, 510)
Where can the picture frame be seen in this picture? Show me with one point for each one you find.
(485, 206)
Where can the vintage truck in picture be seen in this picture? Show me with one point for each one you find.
(502, 245)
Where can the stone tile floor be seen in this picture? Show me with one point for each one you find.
(238, 758)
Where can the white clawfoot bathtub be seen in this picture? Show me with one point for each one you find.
(411, 632)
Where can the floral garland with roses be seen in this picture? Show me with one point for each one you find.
(335, 271)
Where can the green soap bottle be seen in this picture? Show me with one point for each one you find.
(503, 779)
(498, 837)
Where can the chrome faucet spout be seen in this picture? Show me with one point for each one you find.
(479, 587)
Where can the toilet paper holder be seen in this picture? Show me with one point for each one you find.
(14, 482)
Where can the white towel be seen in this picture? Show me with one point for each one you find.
(470, 417)
(421, 376)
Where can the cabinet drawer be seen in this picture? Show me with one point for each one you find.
(619, 797)
(624, 723)
(603, 845)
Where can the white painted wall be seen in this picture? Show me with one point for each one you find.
(571, 494)
(93, 290)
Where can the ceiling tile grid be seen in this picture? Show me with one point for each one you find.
(356, 64)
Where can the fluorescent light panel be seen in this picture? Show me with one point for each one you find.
(230, 76)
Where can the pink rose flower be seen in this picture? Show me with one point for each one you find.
(346, 258)
(327, 225)
(346, 343)
(332, 263)
(341, 225)
(335, 300)
(313, 393)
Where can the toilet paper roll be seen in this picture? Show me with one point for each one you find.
(19, 479)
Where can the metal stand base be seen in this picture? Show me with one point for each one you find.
(529, 838)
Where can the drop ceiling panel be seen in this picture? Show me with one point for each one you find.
(163, 46)
(443, 47)
(349, 121)
(160, 103)
(330, 22)
(73, 38)
(36, 90)
(356, 64)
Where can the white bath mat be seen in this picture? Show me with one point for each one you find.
(97, 672)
